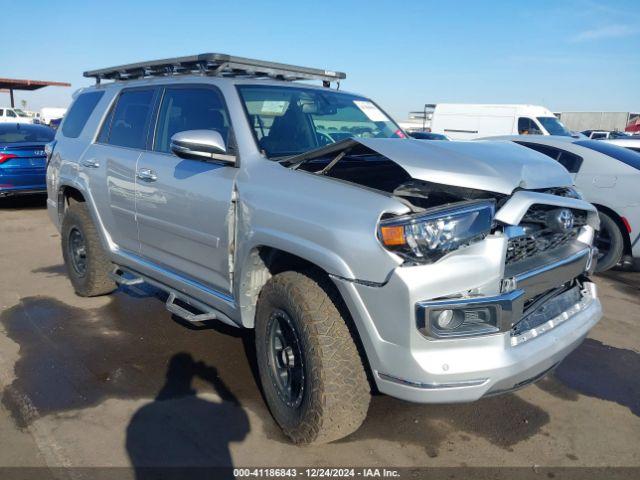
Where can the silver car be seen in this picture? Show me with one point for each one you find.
(608, 176)
(363, 260)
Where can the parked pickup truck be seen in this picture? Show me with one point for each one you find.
(364, 261)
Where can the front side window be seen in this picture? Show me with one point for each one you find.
(11, 113)
(292, 120)
(190, 108)
(526, 126)
(128, 124)
(79, 113)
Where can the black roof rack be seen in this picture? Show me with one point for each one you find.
(218, 64)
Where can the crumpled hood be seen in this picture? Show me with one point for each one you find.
(495, 166)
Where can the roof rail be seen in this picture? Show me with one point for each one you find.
(217, 64)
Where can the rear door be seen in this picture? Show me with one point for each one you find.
(184, 206)
(110, 163)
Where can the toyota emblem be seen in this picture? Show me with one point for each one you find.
(561, 220)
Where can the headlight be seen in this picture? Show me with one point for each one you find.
(428, 236)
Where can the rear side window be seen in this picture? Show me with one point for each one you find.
(79, 113)
(622, 154)
(190, 108)
(568, 160)
(128, 123)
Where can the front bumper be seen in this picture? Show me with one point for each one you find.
(410, 365)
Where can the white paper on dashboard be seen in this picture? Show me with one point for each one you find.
(372, 112)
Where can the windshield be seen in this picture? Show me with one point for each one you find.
(622, 154)
(554, 126)
(20, 112)
(290, 120)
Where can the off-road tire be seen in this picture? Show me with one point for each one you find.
(336, 391)
(616, 248)
(96, 280)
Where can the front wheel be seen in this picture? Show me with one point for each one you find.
(313, 378)
(610, 243)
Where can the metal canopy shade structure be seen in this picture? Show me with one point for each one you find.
(218, 64)
(12, 84)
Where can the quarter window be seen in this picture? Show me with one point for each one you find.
(79, 113)
(129, 123)
(568, 160)
(191, 108)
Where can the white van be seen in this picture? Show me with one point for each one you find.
(51, 113)
(13, 115)
(461, 121)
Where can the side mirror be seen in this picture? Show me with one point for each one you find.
(204, 145)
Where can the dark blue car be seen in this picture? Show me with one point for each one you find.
(22, 158)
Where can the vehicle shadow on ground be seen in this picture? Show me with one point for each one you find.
(26, 202)
(598, 370)
(74, 358)
(184, 431)
(504, 421)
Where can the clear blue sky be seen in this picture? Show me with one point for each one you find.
(567, 55)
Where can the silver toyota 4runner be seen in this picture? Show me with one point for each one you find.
(429, 271)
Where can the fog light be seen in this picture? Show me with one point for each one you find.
(444, 318)
(447, 319)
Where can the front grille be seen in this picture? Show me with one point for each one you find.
(538, 236)
(521, 248)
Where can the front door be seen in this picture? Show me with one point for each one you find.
(183, 206)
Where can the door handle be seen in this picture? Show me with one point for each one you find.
(90, 163)
(147, 175)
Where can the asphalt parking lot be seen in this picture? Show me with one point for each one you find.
(116, 381)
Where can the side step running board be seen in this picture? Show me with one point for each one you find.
(119, 277)
(180, 304)
(186, 314)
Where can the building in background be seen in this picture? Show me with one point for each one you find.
(606, 121)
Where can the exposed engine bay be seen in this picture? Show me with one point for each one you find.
(357, 163)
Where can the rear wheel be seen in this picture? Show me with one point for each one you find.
(312, 375)
(610, 243)
(88, 266)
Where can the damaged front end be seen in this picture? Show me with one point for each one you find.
(494, 256)
(445, 217)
